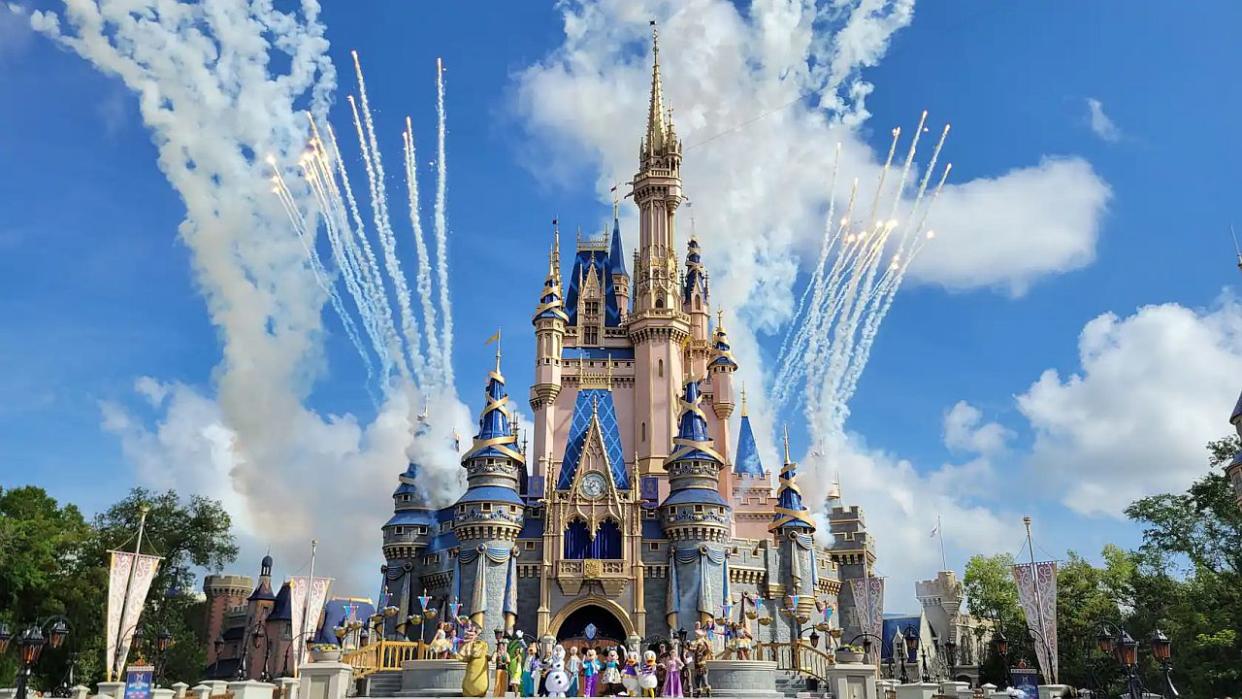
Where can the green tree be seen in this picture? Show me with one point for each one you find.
(53, 562)
(188, 535)
(42, 545)
(1189, 581)
(992, 594)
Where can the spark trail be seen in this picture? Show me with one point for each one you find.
(441, 220)
(860, 268)
(375, 282)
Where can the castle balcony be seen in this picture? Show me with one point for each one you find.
(612, 574)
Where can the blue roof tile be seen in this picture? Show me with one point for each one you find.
(589, 402)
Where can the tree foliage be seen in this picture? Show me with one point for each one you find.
(52, 561)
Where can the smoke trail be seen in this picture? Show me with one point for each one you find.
(420, 245)
(441, 222)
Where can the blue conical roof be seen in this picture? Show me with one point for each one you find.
(695, 276)
(790, 512)
(616, 257)
(746, 461)
(721, 349)
(495, 437)
(692, 440)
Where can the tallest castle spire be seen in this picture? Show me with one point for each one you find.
(657, 131)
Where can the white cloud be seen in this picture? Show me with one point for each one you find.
(964, 430)
(1100, 124)
(1012, 230)
(1153, 388)
(286, 472)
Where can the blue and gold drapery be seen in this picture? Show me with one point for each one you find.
(807, 543)
(480, 557)
(700, 587)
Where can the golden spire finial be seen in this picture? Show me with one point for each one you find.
(497, 336)
(720, 320)
(787, 459)
(616, 200)
(743, 400)
(554, 260)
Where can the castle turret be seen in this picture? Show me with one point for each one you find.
(616, 262)
(696, 519)
(657, 326)
(694, 510)
(721, 369)
(406, 536)
(258, 607)
(550, 321)
(225, 594)
(793, 528)
(489, 515)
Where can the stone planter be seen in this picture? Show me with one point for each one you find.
(326, 656)
(848, 657)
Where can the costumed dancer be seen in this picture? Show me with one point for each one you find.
(744, 641)
(647, 674)
(531, 671)
(611, 676)
(590, 673)
(474, 652)
(702, 652)
(440, 644)
(558, 679)
(673, 665)
(573, 666)
(517, 653)
(501, 659)
(629, 674)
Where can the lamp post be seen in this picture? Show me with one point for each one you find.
(911, 643)
(1001, 644)
(1116, 642)
(50, 632)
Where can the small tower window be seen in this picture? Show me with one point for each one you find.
(659, 303)
(660, 368)
(698, 303)
(644, 431)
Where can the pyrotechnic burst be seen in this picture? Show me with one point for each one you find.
(416, 351)
(862, 262)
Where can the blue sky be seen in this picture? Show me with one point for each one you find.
(97, 290)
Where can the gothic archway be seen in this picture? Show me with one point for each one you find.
(591, 626)
(612, 624)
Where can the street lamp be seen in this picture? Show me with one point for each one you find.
(1002, 649)
(163, 641)
(1117, 642)
(911, 643)
(1162, 651)
(30, 644)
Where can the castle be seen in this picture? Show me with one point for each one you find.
(634, 512)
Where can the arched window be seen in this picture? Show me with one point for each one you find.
(577, 540)
(660, 370)
(659, 303)
(698, 303)
(644, 430)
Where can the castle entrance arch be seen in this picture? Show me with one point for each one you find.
(593, 622)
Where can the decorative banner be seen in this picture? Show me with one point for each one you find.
(138, 683)
(1037, 593)
(869, 607)
(129, 580)
(299, 587)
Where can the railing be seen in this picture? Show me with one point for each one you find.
(384, 655)
(798, 657)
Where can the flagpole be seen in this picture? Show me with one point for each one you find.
(310, 590)
(1039, 602)
(940, 530)
(129, 582)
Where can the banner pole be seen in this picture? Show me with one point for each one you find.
(1039, 602)
(310, 590)
(133, 568)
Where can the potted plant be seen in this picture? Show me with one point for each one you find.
(850, 654)
(325, 653)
